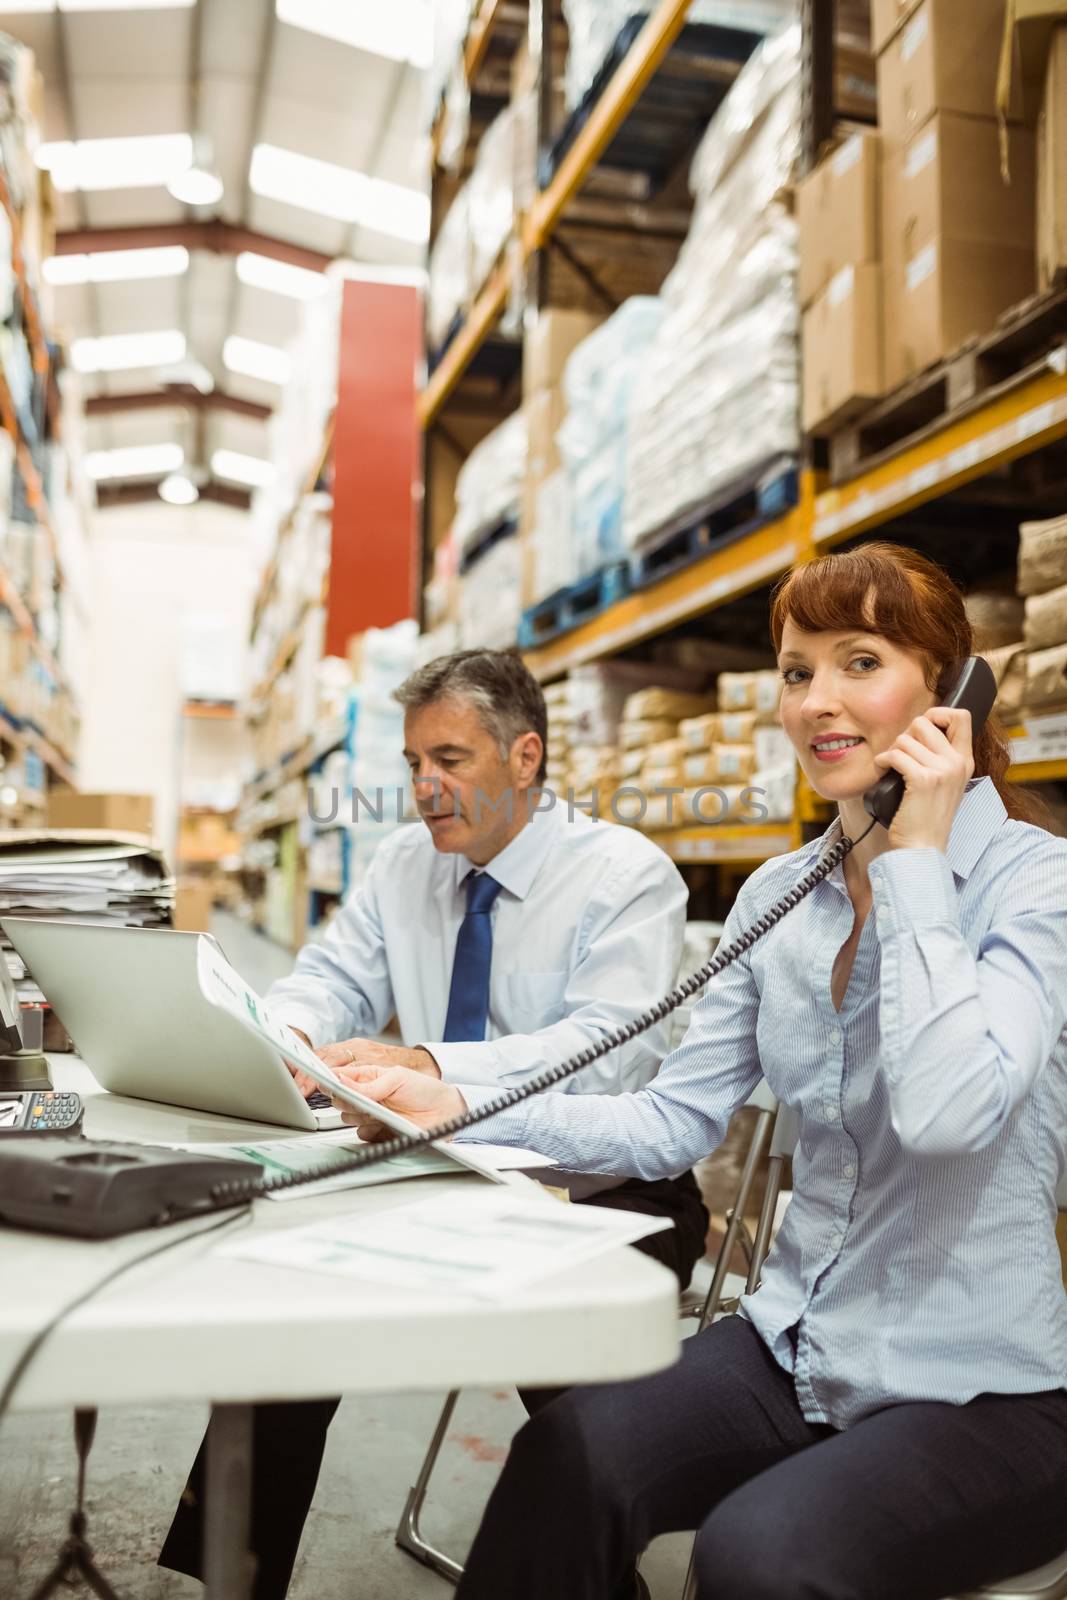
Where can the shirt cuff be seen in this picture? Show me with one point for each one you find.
(505, 1127)
(301, 1017)
(461, 1064)
(913, 888)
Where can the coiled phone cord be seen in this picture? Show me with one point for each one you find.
(234, 1193)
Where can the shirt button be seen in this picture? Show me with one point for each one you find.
(831, 1113)
(850, 1169)
(836, 1236)
(835, 1036)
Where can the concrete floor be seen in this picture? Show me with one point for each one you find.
(140, 1458)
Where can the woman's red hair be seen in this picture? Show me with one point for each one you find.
(912, 602)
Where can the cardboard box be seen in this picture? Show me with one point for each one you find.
(943, 59)
(121, 813)
(947, 183)
(1026, 41)
(192, 905)
(949, 291)
(547, 342)
(839, 214)
(1051, 165)
(844, 367)
(887, 16)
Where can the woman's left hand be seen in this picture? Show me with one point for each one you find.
(934, 755)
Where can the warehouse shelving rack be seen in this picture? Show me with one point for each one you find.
(1017, 422)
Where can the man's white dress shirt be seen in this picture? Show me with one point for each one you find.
(587, 932)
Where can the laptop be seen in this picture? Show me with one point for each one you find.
(131, 1002)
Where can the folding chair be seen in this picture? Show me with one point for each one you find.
(695, 1302)
(783, 1141)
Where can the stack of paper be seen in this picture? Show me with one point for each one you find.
(81, 875)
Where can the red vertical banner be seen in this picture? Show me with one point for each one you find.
(374, 562)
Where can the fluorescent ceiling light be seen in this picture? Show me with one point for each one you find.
(17, 7)
(340, 192)
(196, 186)
(143, 162)
(116, 266)
(239, 468)
(256, 360)
(134, 461)
(280, 277)
(178, 490)
(115, 352)
(401, 30)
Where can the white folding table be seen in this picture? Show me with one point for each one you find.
(196, 1325)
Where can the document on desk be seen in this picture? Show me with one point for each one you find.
(223, 986)
(488, 1242)
(304, 1152)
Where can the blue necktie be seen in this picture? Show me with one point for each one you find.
(468, 996)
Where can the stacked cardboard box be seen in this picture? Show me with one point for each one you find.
(958, 241)
(1032, 90)
(840, 282)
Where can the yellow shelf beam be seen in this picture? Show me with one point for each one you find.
(721, 575)
(1012, 425)
(1038, 772)
(608, 115)
(478, 36)
(610, 112)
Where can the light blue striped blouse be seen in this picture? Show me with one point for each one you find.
(918, 1259)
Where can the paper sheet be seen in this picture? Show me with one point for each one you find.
(225, 987)
(280, 1157)
(487, 1243)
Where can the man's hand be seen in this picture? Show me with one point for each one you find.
(306, 1085)
(369, 1053)
(424, 1100)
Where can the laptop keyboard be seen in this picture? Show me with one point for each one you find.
(318, 1101)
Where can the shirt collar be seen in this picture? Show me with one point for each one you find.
(978, 817)
(517, 865)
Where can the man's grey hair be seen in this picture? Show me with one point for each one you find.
(497, 683)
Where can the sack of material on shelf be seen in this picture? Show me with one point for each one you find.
(489, 485)
(723, 763)
(718, 397)
(750, 691)
(646, 732)
(997, 619)
(594, 25)
(1008, 665)
(1046, 619)
(659, 702)
(1046, 677)
(1042, 556)
(774, 788)
(490, 597)
(598, 383)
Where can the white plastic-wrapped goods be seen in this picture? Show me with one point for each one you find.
(489, 485)
(595, 25)
(717, 396)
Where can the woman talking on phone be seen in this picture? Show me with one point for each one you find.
(886, 1419)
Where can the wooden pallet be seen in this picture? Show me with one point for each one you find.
(980, 371)
(740, 508)
(569, 608)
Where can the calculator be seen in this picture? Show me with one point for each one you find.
(40, 1111)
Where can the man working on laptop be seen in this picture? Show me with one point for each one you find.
(505, 935)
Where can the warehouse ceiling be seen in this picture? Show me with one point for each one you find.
(256, 93)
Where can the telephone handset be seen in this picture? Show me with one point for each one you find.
(974, 689)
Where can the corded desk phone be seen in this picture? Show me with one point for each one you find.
(122, 1187)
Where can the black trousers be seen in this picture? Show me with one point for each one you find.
(289, 1437)
(917, 1502)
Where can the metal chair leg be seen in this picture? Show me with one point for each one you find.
(735, 1223)
(408, 1536)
